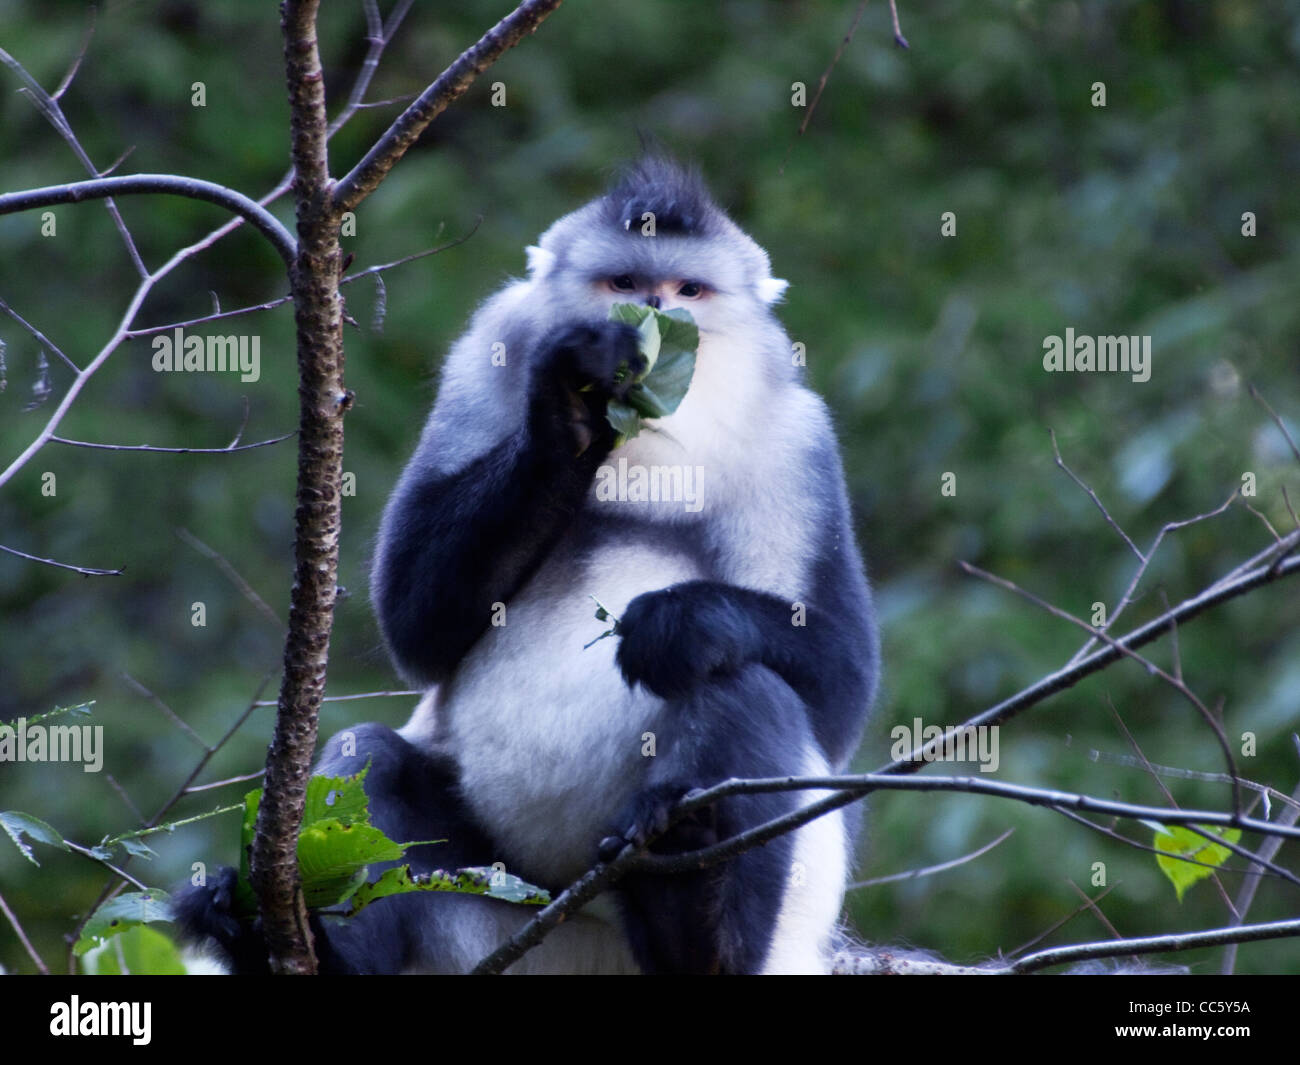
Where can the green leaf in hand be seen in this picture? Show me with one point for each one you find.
(668, 341)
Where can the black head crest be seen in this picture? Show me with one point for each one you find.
(676, 195)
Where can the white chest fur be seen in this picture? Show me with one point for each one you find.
(548, 735)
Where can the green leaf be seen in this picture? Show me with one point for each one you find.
(1184, 843)
(668, 340)
(678, 331)
(137, 849)
(337, 798)
(625, 420)
(17, 824)
(493, 883)
(138, 951)
(332, 859)
(127, 910)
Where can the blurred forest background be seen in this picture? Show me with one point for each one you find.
(1118, 220)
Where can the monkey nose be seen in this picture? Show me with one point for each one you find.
(652, 301)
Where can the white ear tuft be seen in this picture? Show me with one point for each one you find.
(771, 289)
(540, 261)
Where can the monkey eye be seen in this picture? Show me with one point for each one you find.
(622, 283)
(691, 290)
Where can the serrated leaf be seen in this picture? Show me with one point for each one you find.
(337, 798)
(332, 859)
(1182, 841)
(125, 911)
(17, 824)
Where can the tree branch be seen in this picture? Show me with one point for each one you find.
(167, 184)
(365, 177)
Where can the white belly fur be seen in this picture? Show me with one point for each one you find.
(548, 735)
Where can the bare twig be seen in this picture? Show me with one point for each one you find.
(931, 870)
(1215, 726)
(1060, 462)
(171, 714)
(85, 571)
(241, 779)
(49, 106)
(75, 65)
(1246, 896)
(166, 184)
(233, 575)
(1255, 395)
(365, 177)
(1057, 925)
(1154, 945)
(40, 337)
(228, 450)
(22, 938)
(1189, 774)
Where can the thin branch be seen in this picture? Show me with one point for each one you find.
(1246, 896)
(22, 937)
(86, 852)
(1137, 749)
(1060, 462)
(847, 789)
(378, 34)
(1090, 905)
(1146, 663)
(850, 788)
(601, 875)
(899, 39)
(1254, 394)
(233, 575)
(171, 714)
(113, 783)
(165, 184)
(75, 65)
(931, 870)
(1138, 845)
(40, 337)
(1216, 937)
(1129, 761)
(85, 571)
(229, 450)
(1056, 926)
(478, 221)
(136, 334)
(49, 106)
(826, 74)
(243, 778)
(365, 177)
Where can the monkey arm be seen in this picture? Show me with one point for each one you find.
(680, 636)
(453, 544)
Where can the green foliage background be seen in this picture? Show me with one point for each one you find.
(1117, 220)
